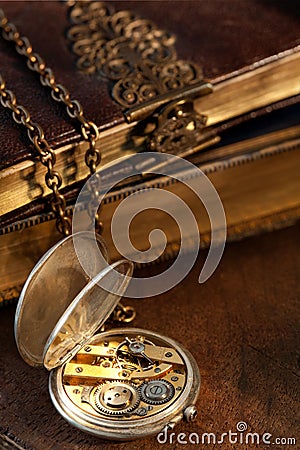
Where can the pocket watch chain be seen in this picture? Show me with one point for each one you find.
(89, 133)
(47, 156)
(59, 93)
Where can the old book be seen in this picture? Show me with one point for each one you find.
(257, 179)
(245, 134)
(234, 60)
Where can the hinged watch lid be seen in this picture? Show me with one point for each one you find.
(60, 306)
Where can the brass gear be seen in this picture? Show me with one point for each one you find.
(157, 392)
(116, 398)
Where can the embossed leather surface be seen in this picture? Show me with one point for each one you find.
(220, 36)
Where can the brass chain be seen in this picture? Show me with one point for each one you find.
(59, 93)
(47, 156)
(89, 133)
(121, 314)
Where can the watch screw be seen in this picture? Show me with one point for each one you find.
(87, 349)
(79, 369)
(124, 374)
(190, 413)
(141, 412)
(76, 391)
(168, 355)
(174, 378)
(157, 370)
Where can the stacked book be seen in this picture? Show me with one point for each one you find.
(230, 69)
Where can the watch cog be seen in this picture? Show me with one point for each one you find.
(130, 352)
(156, 392)
(116, 398)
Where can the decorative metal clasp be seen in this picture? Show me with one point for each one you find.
(147, 79)
(180, 130)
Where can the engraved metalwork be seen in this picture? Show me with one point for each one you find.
(133, 53)
(179, 127)
(141, 62)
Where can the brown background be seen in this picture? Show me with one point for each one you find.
(242, 327)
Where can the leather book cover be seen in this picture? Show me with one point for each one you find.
(245, 51)
(222, 37)
(228, 41)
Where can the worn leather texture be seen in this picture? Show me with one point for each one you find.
(220, 36)
(242, 327)
(45, 23)
(224, 36)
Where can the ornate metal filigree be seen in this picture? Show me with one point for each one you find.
(133, 53)
(141, 62)
(178, 128)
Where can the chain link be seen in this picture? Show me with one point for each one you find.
(89, 132)
(121, 314)
(59, 93)
(124, 313)
(47, 156)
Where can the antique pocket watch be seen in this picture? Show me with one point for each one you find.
(118, 384)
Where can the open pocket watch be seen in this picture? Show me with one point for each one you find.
(117, 384)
